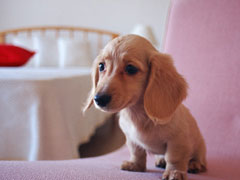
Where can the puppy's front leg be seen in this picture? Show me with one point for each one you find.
(177, 162)
(137, 158)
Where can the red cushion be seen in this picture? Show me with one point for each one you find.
(11, 55)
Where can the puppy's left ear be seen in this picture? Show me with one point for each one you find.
(95, 78)
(166, 89)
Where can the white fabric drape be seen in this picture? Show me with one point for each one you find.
(40, 113)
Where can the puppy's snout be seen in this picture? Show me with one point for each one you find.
(102, 99)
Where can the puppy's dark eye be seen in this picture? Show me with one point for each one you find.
(131, 70)
(101, 67)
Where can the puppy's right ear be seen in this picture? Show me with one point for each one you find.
(166, 89)
(95, 78)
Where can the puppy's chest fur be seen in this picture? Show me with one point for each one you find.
(141, 130)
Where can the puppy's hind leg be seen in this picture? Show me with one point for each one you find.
(198, 162)
(160, 161)
(195, 166)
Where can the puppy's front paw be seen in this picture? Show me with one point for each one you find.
(132, 166)
(174, 175)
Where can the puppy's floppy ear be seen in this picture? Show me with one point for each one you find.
(165, 90)
(95, 78)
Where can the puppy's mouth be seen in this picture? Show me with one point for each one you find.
(108, 109)
(107, 103)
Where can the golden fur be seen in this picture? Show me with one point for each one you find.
(150, 107)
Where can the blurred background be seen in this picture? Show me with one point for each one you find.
(42, 96)
(120, 16)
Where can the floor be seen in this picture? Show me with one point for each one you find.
(107, 138)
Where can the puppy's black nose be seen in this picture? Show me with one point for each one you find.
(102, 100)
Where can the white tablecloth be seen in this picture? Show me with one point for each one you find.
(40, 113)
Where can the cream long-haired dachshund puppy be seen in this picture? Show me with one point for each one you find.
(131, 77)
